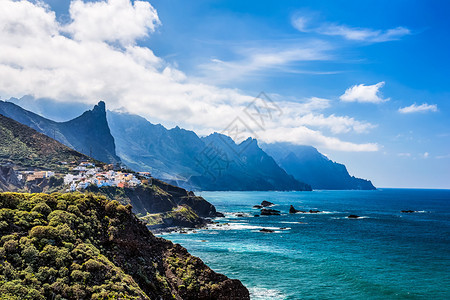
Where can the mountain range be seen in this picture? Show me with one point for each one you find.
(307, 164)
(181, 157)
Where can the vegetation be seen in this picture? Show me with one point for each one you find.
(25, 147)
(181, 215)
(78, 246)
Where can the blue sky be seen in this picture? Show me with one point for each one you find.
(366, 82)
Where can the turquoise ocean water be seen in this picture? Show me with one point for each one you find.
(384, 255)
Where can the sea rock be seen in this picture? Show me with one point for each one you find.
(314, 211)
(239, 215)
(256, 216)
(353, 217)
(269, 212)
(266, 203)
(409, 211)
(219, 215)
(265, 230)
(257, 206)
(292, 210)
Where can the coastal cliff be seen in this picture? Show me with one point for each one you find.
(78, 246)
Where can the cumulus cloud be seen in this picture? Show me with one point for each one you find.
(413, 108)
(96, 56)
(369, 35)
(364, 93)
(112, 20)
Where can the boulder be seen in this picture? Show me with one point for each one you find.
(314, 211)
(269, 212)
(265, 230)
(257, 206)
(353, 217)
(408, 211)
(266, 203)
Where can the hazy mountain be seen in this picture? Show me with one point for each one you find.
(88, 133)
(181, 157)
(305, 163)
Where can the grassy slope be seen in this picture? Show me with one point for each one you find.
(23, 146)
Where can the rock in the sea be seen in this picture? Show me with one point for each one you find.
(409, 211)
(266, 203)
(257, 206)
(314, 211)
(220, 215)
(265, 230)
(239, 215)
(269, 212)
(292, 210)
(256, 215)
(353, 217)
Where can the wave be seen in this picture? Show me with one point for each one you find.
(242, 226)
(258, 293)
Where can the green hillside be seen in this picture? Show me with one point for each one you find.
(76, 246)
(25, 147)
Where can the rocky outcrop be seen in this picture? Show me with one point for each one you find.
(269, 212)
(353, 217)
(265, 203)
(8, 179)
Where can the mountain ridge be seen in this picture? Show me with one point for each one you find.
(307, 162)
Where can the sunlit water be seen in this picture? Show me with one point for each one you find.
(384, 255)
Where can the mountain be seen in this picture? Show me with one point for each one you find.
(180, 156)
(308, 164)
(23, 146)
(88, 133)
(76, 246)
(248, 166)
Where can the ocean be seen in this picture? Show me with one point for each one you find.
(385, 254)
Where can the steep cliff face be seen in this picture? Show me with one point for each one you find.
(307, 164)
(75, 246)
(181, 157)
(88, 133)
(8, 179)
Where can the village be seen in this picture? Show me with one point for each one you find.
(87, 173)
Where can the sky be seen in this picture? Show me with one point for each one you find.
(365, 82)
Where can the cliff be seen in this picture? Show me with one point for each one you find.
(77, 246)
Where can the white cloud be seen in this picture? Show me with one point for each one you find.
(99, 59)
(404, 154)
(302, 24)
(252, 60)
(304, 136)
(364, 34)
(364, 93)
(112, 21)
(426, 155)
(413, 108)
